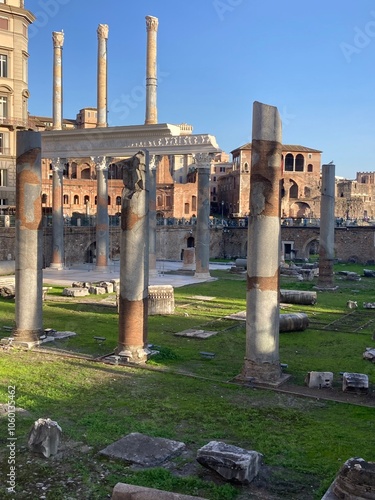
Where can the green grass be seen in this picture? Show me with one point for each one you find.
(180, 395)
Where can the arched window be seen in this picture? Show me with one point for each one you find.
(109, 200)
(118, 200)
(86, 199)
(76, 199)
(289, 162)
(85, 173)
(300, 163)
(66, 199)
(310, 168)
(159, 201)
(44, 198)
(293, 191)
(246, 167)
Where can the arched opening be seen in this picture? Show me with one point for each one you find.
(289, 163)
(76, 199)
(194, 203)
(300, 163)
(159, 201)
(109, 200)
(44, 198)
(66, 199)
(293, 191)
(86, 199)
(118, 201)
(190, 242)
(91, 253)
(85, 173)
(310, 167)
(301, 209)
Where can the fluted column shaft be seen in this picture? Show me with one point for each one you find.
(29, 238)
(57, 114)
(202, 246)
(102, 75)
(151, 71)
(57, 261)
(102, 219)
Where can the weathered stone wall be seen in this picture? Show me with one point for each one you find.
(356, 243)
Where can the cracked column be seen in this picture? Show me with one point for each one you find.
(102, 219)
(57, 261)
(202, 246)
(327, 228)
(134, 258)
(151, 71)
(29, 239)
(102, 75)
(58, 41)
(262, 363)
(154, 162)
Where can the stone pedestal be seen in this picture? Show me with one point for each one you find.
(189, 259)
(160, 299)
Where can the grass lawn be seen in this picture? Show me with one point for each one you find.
(182, 396)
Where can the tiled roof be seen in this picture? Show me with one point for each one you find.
(286, 147)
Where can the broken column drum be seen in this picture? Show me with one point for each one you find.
(58, 41)
(202, 246)
(152, 24)
(133, 310)
(29, 238)
(102, 219)
(327, 228)
(262, 310)
(102, 75)
(57, 261)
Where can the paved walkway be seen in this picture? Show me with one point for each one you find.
(87, 272)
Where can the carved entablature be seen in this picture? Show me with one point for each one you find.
(101, 162)
(152, 23)
(102, 31)
(58, 39)
(203, 160)
(57, 164)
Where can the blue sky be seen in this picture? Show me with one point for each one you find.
(313, 60)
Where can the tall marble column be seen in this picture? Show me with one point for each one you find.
(102, 219)
(151, 70)
(262, 363)
(202, 245)
(29, 239)
(102, 75)
(57, 115)
(154, 162)
(327, 228)
(57, 261)
(133, 298)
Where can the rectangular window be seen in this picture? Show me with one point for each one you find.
(3, 107)
(4, 143)
(4, 23)
(3, 201)
(3, 66)
(3, 177)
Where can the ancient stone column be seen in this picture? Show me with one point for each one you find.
(154, 162)
(57, 261)
(57, 115)
(29, 239)
(102, 219)
(151, 71)
(102, 75)
(133, 301)
(262, 363)
(327, 228)
(202, 245)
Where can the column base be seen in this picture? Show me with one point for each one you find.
(261, 374)
(57, 267)
(133, 354)
(203, 276)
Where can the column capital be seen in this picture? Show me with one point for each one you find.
(154, 161)
(103, 31)
(101, 162)
(203, 160)
(58, 39)
(57, 164)
(152, 23)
